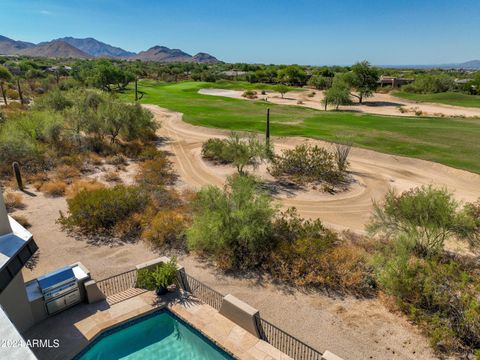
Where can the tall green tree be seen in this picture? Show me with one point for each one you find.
(338, 94)
(292, 75)
(5, 76)
(363, 78)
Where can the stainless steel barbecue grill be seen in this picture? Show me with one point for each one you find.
(60, 289)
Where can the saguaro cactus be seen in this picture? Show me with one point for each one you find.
(18, 175)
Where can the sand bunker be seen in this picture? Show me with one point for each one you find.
(381, 104)
(375, 173)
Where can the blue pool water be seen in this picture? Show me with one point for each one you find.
(157, 336)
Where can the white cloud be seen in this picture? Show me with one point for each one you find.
(45, 12)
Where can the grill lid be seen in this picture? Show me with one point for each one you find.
(58, 276)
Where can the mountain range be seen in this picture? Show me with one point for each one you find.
(468, 65)
(89, 48)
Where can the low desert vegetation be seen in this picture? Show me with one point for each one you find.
(148, 209)
(13, 201)
(240, 228)
(238, 150)
(310, 164)
(72, 124)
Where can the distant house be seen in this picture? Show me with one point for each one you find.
(394, 82)
(233, 73)
(462, 81)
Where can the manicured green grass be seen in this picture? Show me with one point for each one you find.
(448, 98)
(453, 142)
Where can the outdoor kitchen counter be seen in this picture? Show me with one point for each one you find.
(35, 296)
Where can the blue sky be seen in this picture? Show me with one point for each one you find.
(263, 31)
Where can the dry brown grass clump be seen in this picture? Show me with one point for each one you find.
(13, 201)
(112, 176)
(22, 220)
(83, 184)
(38, 179)
(54, 188)
(67, 173)
(166, 227)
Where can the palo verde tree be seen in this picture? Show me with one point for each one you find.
(363, 79)
(338, 94)
(282, 89)
(5, 76)
(427, 217)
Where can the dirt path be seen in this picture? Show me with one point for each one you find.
(374, 173)
(381, 104)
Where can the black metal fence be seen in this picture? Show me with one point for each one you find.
(200, 290)
(268, 332)
(285, 342)
(118, 283)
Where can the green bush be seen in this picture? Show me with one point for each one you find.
(101, 210)
(233, 225)
(307, 164)
(162, 275)
(427, 216)
(215, 150)
(439, 293)
(53, 100)
(238, 150)
(310, 254)
(425, 84)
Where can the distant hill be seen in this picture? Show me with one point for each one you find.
(163, 54)
(11, 47)
(70, 47)
(54, 49)
(205, 58)
(468, 65)
(97, 48)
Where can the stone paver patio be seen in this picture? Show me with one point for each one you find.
(76, 327)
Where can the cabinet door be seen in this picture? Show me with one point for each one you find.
(55, 305)
(72, 298)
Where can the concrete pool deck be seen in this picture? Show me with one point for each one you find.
(77, 327)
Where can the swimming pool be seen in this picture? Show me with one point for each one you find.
(160, 335)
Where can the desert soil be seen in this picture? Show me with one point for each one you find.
(374, 174)
(381, 104)
(351, 328)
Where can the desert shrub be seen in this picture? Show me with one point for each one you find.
(250, 94)
(233, 225)
(156, 173)
(306, 164)
(22, 220)
(53, 100)
(437, 293)
(13, 201)
(83, 184)
(67, 173)
(12, 94)
(241, 151)
(426, 215)
(429, 83)
(101, 209)
(112, 176)
(309, 254)
(149, 153)
(54, 188)
(117, 160)
(215, 150)
(342, 150)
(165, 228)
